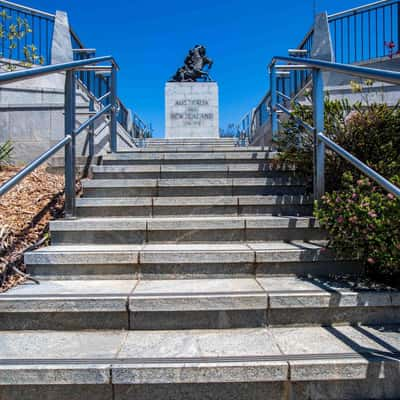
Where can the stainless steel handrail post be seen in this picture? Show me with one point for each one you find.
(319, 126)
(274, 100)
(114, 110)
(91, 130)
(69, 109)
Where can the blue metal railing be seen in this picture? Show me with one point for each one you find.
(358, 35)
(68, 142)
(317, 68)
(366, 33)
(25, 34)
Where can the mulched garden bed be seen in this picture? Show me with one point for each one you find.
(25, 212)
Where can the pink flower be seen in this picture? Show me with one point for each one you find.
(350, 117)
(372, 214)
(390, 45)
(371, 261)
(390, 196)
(353, 220)
(340, 220)
(354, 196)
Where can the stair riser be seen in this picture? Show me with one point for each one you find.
(185, 236)
(170, 211)
(64, 321)
(367, 389)
(194, 191)
(192, 270)
(190, 161)
(191, 175)
(205, 319)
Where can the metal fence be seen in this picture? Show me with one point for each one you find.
(366, 33)
(358, 35)
(25, 34)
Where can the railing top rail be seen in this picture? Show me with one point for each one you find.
(260, 103)
(14, 76)
(77, 39)
(308, 34)
(363, 72)
(389, 186)
(356, 10)
(26, 9)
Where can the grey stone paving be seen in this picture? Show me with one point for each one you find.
(195, 271)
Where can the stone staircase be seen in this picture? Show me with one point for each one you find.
(195, 270)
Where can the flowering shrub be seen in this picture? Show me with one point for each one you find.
(363, 223)
(362, 219)
(371, 133)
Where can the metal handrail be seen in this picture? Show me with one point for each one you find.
(363, 72)
(320, 140)
(68, 142)
(27, 10)
(355, 10)
(15, 76)
(33, 165)
(360, 165)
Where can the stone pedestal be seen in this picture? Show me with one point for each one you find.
(191, 110)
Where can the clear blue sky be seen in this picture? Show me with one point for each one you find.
(151, 38)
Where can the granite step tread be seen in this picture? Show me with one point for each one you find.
(196, 356)
(192, 182)
(292, 291)
(190, 229)
(192, 304)
(186, 261)
(203, 156)
(180, 201)
(194, 147)
(172, 252)
(182, 168)
(189, 205)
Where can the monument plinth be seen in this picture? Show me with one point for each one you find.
(191, 110)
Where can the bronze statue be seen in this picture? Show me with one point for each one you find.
(192, 70)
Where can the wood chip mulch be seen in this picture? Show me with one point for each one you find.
(25, 212)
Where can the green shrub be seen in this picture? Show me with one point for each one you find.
(5, 153)
(364, 223)
(371, 133)
(362, 219)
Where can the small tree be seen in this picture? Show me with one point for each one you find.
(12, 32)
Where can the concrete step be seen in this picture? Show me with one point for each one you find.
(201, 205)
(193, 304)
(194, 147)
(130, 230)
(235, 156)
(154, 171)
(186, 261)
(193, 187)
(191, 141)
(260, 363)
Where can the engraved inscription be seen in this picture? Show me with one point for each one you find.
(192, 114)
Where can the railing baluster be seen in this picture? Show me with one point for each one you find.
(113, 102)
(319, 124)
(70, 93)
(274, 100)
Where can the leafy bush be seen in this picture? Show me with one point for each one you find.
(371, 133)
(363, 223)
(362, 219)
(5, 153)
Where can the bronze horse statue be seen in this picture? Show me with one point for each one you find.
(193, 68)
